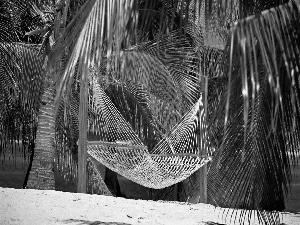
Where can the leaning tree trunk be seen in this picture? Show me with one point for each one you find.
(42, 172)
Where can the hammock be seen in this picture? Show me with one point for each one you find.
(173, 159)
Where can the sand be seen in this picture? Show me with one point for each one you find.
(19, 206)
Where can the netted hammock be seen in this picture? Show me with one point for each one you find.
(174, 158)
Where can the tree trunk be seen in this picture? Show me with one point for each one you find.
(42, 173)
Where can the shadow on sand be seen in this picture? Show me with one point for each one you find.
(86, 222)
(213, 223)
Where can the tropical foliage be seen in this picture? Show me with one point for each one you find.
(149, 57)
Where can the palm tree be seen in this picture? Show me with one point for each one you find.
(261, 114)
(259, 130)
(74, 68)
(250, 84)
(48, 80)
(19, 88)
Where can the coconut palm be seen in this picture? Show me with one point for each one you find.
(259, 130)
(261, 121)
(74, 67)
(246, 86)
(70, 33)
(128, 56)
(19, 92)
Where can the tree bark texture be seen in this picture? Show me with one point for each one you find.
(42, 173)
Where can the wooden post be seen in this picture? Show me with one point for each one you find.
(82, 146)
(203, 140)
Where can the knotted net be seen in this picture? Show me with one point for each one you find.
(173, 159)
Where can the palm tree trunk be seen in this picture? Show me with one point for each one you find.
(42, 173)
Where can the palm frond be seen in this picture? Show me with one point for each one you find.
(92, 20)
(27, 16)
(81, 46)
(151, 73)
(21, 73)
(20, 91)
(210, 64)
(7, 33)
(176, 56)
(158, 18)
(133, 102)
(248, 8)
(251, 169)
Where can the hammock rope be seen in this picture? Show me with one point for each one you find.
(123, 152)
